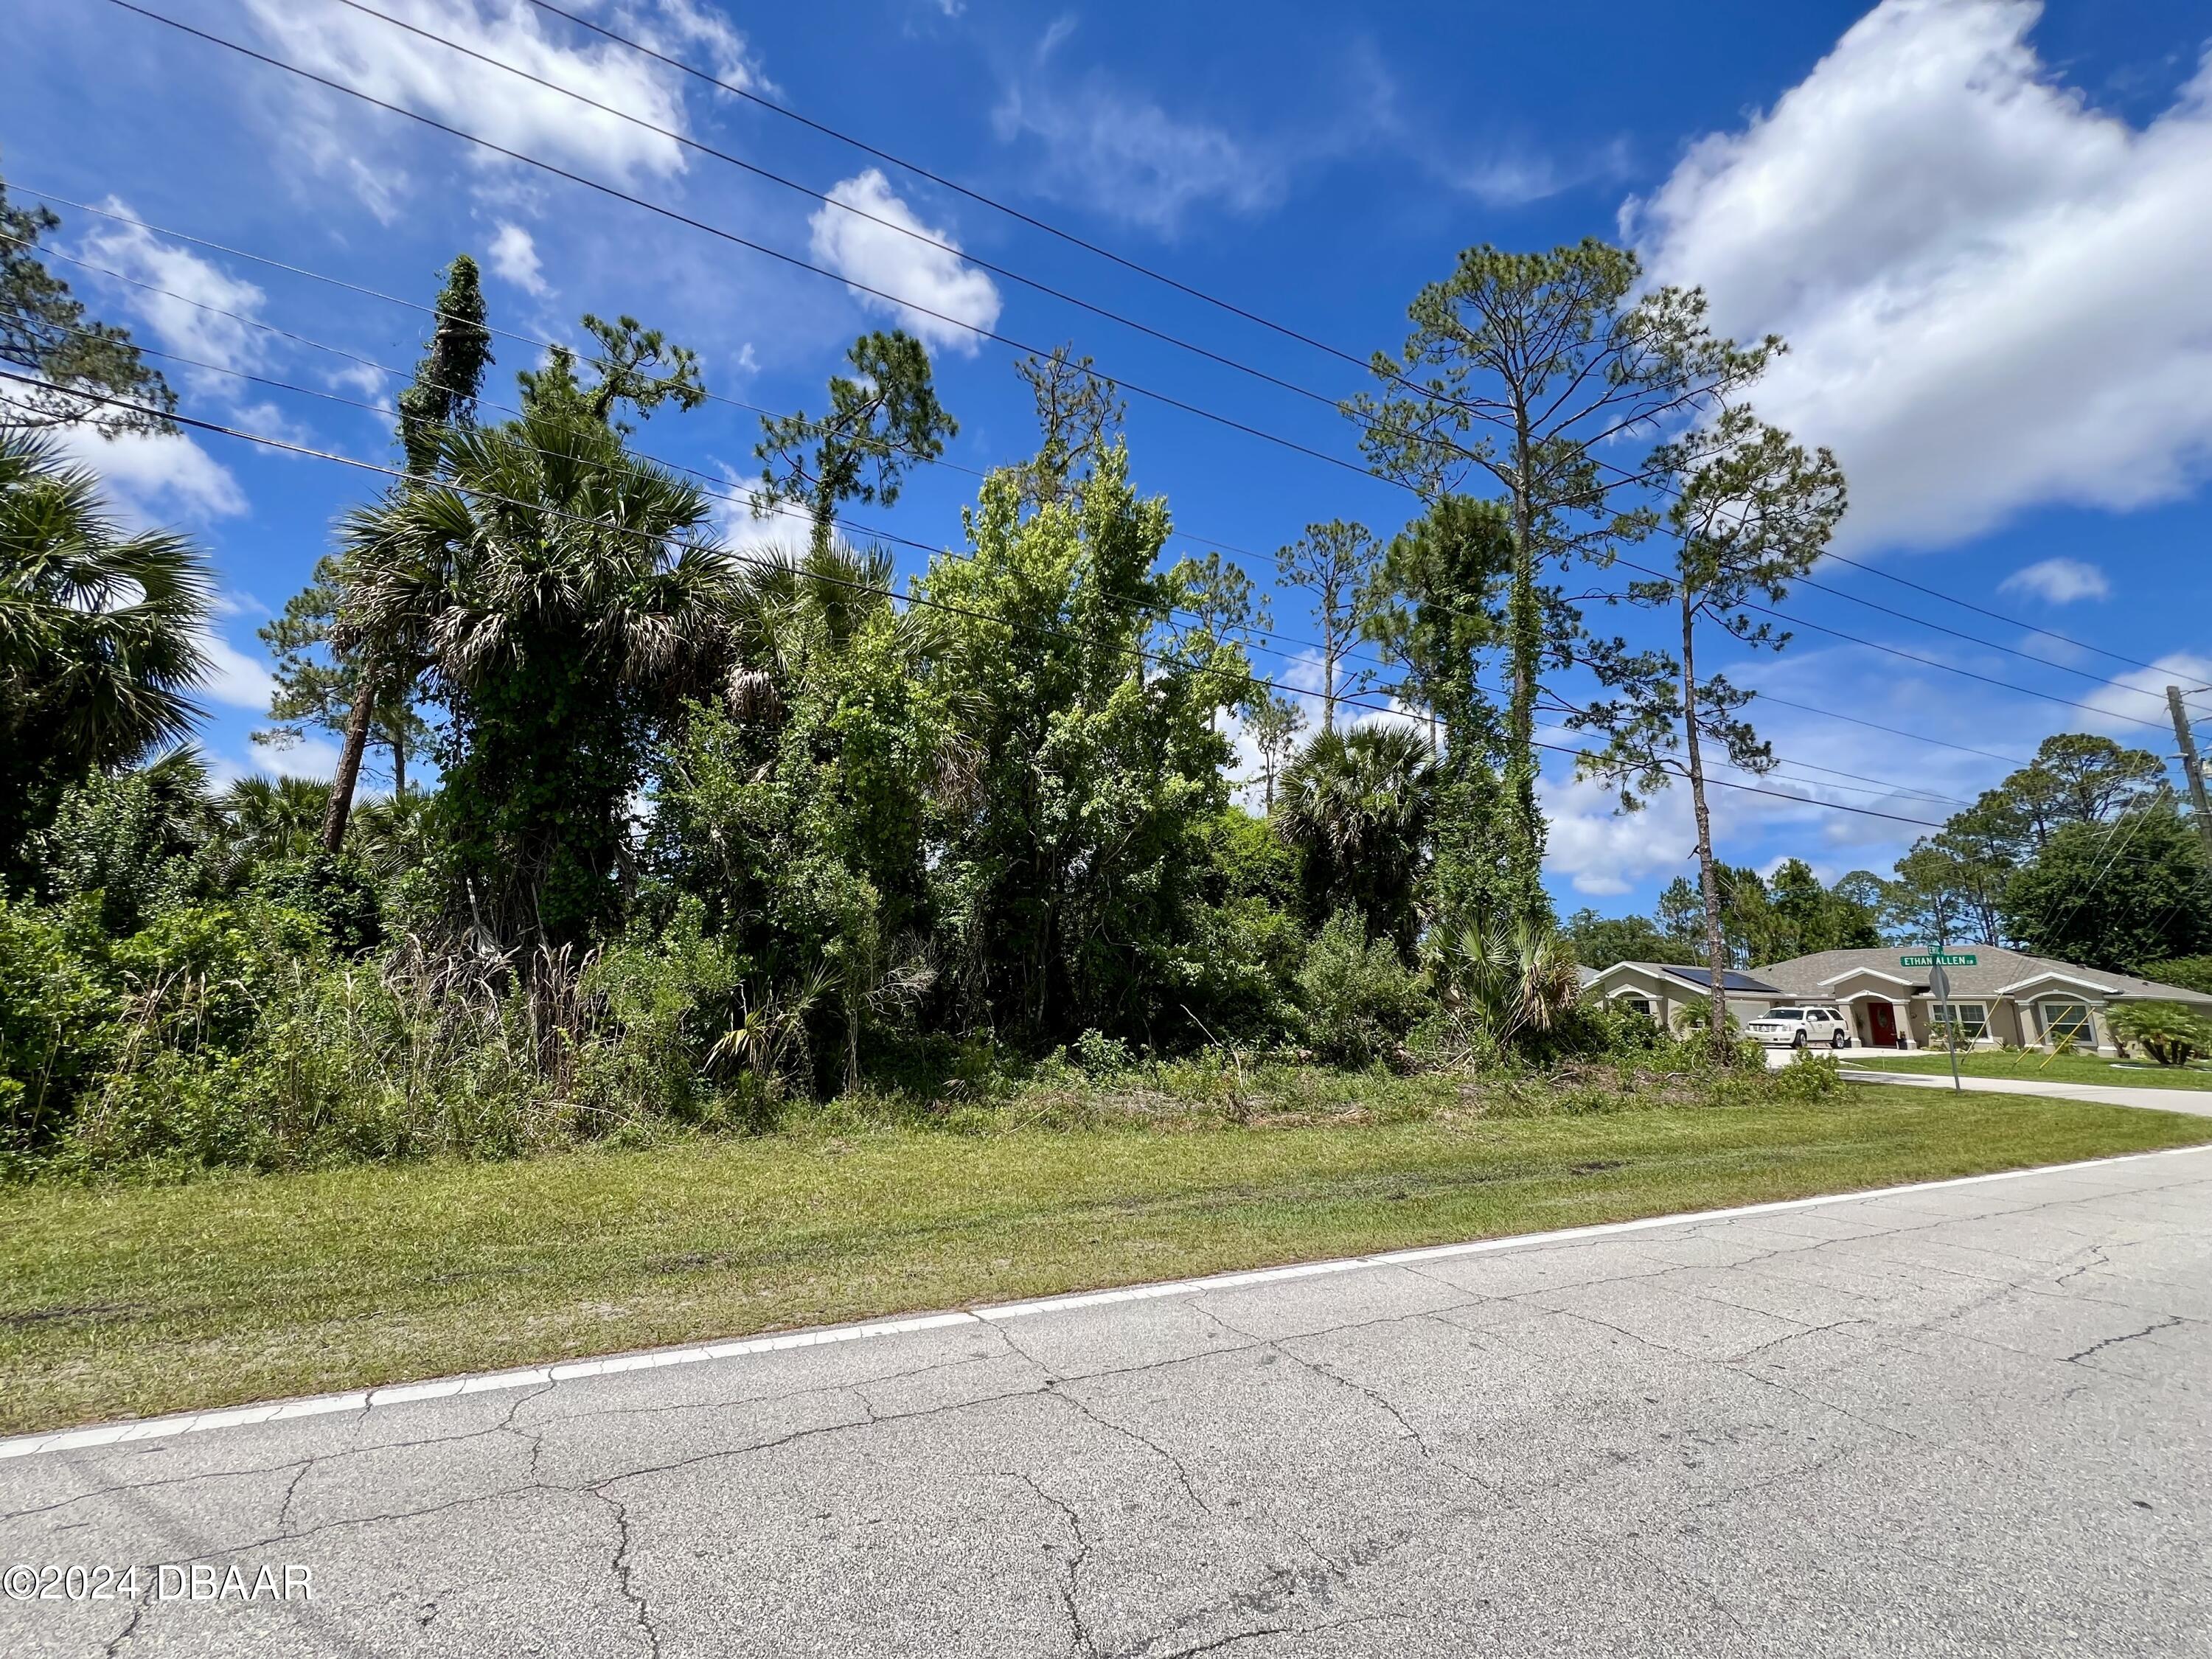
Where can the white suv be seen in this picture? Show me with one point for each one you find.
(1799, 1028)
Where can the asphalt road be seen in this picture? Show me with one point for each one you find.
(1966, 1420)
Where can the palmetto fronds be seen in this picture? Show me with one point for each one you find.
(547, 529)
(99, 631)
(1500, 981)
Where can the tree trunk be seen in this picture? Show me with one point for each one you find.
(1525, 627)
(349, 772)
(399, 754)
(1716, 947)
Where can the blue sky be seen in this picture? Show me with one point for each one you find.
(1983, 224)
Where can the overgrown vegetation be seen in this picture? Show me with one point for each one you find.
(685, 837)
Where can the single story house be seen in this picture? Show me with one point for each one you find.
(2006, 999)
(1661, 990)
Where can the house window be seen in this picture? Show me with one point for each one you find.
(1972, 1018)
(2064, 1019)
(1636, 1005)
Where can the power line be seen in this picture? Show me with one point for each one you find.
(1995, 616)
(1910, 656)
(430, 311)
(1164, 398)
(722, 494)
(909, 598)
(924, 237)
(1017, 277)
(718, 493)
(978, 197)
(791, 260)
(1354, 359)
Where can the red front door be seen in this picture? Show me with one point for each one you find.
(1881, 1025)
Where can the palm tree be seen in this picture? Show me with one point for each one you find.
(99, 636)
(261, 820)
(1359, 804)
(562, 598)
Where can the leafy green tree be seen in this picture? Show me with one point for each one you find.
(323, 667)
(1357, 805)
(1335, 563)
(2191, 973)
(100, 637)
(2116, 895)
(1274, 722)
(2080, 778)
(1519, 366)
(129, 843)
(1810, 918)
(317, 688)
(1433, 609)
(1753, 511)
(1601, 941)
(881, 421)
(1071, 862)
(1222, 604)
(1933, 898)
(1079, 413)
(79, 364)
(632, 364)
(800, 823)
(566, 596)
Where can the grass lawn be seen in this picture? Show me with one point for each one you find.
(2047, 1068)
(137, 1300)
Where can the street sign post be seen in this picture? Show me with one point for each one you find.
(1939, 988)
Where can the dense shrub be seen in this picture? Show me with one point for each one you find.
(1360, 1001)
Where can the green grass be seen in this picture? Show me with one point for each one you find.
(2036, 1067)
(133, 1300)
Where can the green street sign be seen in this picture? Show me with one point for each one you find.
(1941, 959)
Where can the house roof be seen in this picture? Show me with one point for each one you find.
(1996, 972)
(1698, 980)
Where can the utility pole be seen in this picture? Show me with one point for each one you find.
(2191, 767)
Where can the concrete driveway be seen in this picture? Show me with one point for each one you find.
(1965, 1418)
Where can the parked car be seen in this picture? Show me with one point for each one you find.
(1801, 1027)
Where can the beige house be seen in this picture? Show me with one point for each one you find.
(2006, 999)
(1661, 990)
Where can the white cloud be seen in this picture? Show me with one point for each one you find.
(153, 480)
(924, 267)
(310, 757)
(234, 678)
(2140, 695)
(420, 74)
(515, 256)
(1515, 178)
(1127, 157)
(2058, 581)
(1995, 294)
(1605, 853)
(189, 318)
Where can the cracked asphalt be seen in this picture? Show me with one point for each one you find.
(1970, 1420)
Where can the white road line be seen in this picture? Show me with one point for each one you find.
(109, 1434)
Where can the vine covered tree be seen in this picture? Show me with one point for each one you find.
(1520, 367)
